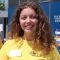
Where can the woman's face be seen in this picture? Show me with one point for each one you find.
(28, 20)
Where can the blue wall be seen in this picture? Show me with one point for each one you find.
(11, 11)
(52, 10)
(55, 13)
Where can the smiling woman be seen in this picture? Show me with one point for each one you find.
(30, 36)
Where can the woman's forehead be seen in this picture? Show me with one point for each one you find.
(28, 11)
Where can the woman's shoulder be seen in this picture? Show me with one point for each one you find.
(10, 43)
(54, 53)
(54, 49)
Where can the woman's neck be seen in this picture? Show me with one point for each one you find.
(28, 36)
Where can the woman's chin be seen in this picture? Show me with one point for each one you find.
(27, 30)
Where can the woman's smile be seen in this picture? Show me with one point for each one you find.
(29, 26)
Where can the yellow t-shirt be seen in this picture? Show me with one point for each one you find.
(22, 50)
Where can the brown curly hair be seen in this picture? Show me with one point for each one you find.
(43, 30)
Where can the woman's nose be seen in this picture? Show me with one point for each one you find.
(28, 19)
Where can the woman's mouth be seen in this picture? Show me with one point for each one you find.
(29, 26)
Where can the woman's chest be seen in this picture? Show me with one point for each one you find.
(25, 52)
(20, 55)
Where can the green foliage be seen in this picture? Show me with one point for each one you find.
(2, 6)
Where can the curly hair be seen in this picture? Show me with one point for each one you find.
(43, 30)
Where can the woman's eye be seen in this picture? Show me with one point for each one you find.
(33, 17)
(23, 18)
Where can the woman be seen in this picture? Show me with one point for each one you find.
(31, 36)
